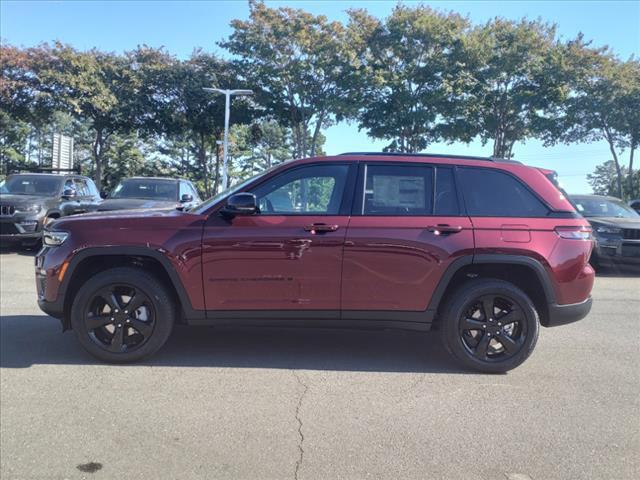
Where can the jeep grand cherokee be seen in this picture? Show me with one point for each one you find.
(482, 251)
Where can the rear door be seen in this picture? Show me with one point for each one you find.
(406, 229)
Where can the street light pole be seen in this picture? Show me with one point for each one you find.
(227, 114)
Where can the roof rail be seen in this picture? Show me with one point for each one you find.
(432, 155)
(21, 169)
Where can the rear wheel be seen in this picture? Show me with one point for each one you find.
(122, 315)
(490, 325)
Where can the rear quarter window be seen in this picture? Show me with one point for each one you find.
(492, 193)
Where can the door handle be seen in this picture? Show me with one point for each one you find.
(444, 229)
(320, 228)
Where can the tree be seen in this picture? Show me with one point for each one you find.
(408, 70)
(626, 120)
(296, 62)
(511, 82)
(603, 104)
(95, 87)
(604, 180)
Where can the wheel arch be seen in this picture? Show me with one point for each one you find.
(526, 273)
(89, 261)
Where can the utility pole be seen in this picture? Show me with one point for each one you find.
(227, 113)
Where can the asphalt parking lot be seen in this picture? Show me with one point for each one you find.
(315, 404)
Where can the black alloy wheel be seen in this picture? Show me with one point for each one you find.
(489, 325)
(492, 328)
(120, 318)
(123, 314)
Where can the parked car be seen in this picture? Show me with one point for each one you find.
(616, 228)
(30, 200)
(481, 250)
(151, 192)
(635, 204)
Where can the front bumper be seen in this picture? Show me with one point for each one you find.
(20, 227)
(48, 263)
(617, 250)
(563, 314)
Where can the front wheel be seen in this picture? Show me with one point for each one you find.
(122, 315)
(489, 325)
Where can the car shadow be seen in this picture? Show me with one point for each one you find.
(27, 340)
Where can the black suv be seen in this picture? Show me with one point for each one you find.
(28, 201)
(151, 192)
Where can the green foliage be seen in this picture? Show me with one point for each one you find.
(297, 64)
(604, 181)
(416, 77)
(510, 84)
(409, 68)
(604, 105)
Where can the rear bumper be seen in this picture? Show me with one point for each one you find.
(563, 314)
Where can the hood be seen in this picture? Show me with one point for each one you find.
(134, 203)
(113, 218)
(9, 199)
(619, 222)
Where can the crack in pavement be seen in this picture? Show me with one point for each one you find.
(299, 420)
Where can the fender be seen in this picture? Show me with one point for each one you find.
(53, 211)
(461, 262)
(132, 251)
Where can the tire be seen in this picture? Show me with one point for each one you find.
(479, 340)
(104, 325)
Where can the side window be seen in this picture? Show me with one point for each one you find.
(81, 187)
(490, 193)
(316, 189)
(184, 190)
(398, 190)
(68, 185)
(446, 197)
(194, 192)
(92, 189)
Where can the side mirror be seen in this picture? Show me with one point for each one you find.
(186, 198)
(69, 192)
(104, 194)
(240, 204)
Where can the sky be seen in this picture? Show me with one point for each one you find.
(182, 26)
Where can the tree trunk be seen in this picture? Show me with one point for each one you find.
(97, 151)
(216, 177)
(316, 132)
(630, 174)
(202, 159)
(612, 148)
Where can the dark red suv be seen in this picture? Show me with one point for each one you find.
(481, 250)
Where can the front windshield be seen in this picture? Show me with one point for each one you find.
(147, 190)
(40, 185)
(204, 206)
(603, 207)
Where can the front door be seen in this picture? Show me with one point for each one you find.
(406, 229)
(287, 257)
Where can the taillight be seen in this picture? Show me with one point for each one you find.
(574, 233)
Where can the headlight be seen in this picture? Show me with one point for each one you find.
(28, 208)
(609, 230)
(54, 239)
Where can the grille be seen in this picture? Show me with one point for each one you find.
(631, 233)
(7, 210)
(8, 229)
